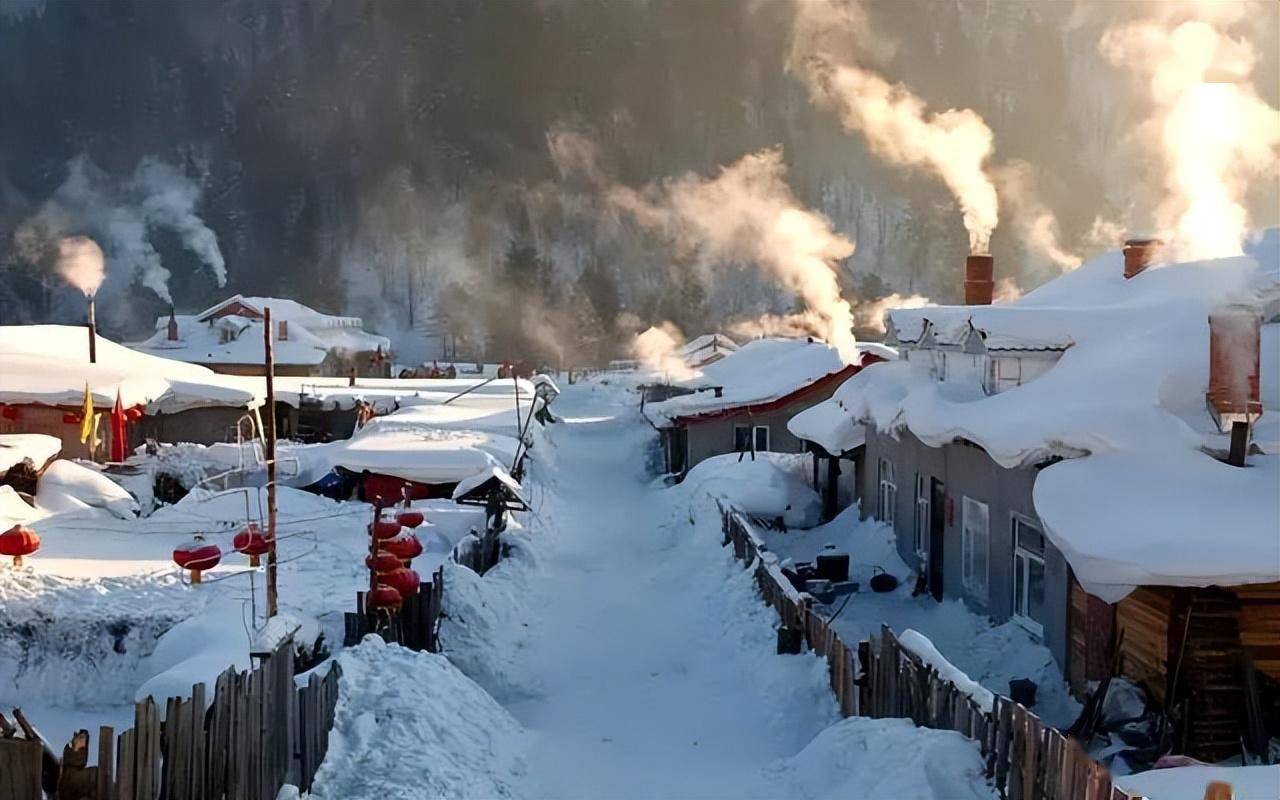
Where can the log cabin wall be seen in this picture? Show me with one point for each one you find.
(1144, 616)
(1260, 625)
(1092, 639)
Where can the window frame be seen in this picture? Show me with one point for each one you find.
(887, 492)
(1021, 607)
(755, 438)
(923, 517)
(975, 585)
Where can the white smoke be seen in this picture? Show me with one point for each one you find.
(873, 314)
(831, 41)
(748, 214)
(1207, 123)
(80, 262)
(121, 215)
(1036, 223)
(656, 349)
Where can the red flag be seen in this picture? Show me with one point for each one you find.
(119, 431)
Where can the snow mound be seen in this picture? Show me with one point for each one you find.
(196, 650)
(410, 725)
(861, 757)
(767, 487)
(38, 447)
(235, 505)
(69, 486)
(13, 509)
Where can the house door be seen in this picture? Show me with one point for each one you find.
(937, 526)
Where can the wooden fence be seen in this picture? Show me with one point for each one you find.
(1026, 758)
(415, 626)
(259, 732)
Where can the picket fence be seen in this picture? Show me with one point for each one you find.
(415, 626)
(259, 733)
(1026, 758)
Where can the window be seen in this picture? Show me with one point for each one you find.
(922, 516)
(1028, 575)
(887, 498)
(744, 436)
(974, 548)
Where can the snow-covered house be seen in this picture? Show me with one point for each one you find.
(1067, 461)
(46, 370)
(741, 403)
(228, 338)
(706, 349)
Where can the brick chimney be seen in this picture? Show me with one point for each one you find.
(1235, 347)
(173, 326)
(979, 280)
(284, 331)
(1138, 254)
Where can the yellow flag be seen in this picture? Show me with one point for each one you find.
(86, 424)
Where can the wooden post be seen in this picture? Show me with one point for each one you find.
(270, 448)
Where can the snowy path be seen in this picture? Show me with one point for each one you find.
(654, 676)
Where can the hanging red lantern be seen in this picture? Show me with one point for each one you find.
(197, 555)
(383, 562)
(133, 414)
(72, 419)
(19, 542)
(406, 547)
(383, 596)
(250, 541)
(409, 519)
(404, 580)
(384, 529)
(9, 412)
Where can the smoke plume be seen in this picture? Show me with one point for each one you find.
(80, 263)
(1212, 130)
(656, 349)
(1036, 223)
(748, 214)
(122, 215)
(872, 315)
(829, 40)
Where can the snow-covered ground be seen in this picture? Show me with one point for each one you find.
(638, 657)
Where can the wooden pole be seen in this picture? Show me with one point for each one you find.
(93, 334)
(270, 448)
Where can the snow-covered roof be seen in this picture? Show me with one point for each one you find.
(282, 308)
(1143, 501)
(762, 371)
(49, 365)
(708, 340)
(480, 478)
(425, 456)
(38, 447)
(232, 339)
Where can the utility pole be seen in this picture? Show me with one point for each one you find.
(270, 449)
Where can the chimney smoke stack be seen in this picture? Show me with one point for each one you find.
(1138, 255)
(1235, 347)
(93, 335)
(284, 330)
(979, 280)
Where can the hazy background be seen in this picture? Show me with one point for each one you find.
(390, 159)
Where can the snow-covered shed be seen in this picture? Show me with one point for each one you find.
(741, 403)
(46, 370)
(706, 349)
(1066, 460)
(228, 338)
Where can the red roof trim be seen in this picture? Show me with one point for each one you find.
(787, 399)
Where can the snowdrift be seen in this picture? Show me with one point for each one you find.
(767, 487)
(410, 725)
(69, 486)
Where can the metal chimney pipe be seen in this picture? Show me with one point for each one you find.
(93, 335)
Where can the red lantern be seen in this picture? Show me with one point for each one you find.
(251, 542)
(133, 414)
(384, 529)
(72, 419)
(404, 580)
(383, 596)
(383, 562)
(19, 542)
(405, 548)
(197, 555)
(9, 412)
(409, 519)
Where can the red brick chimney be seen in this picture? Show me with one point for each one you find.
(173, 326)
(1235, 347)
(1138, 254)
(284, 330)
(979, 280)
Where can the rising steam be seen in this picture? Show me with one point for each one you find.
(80, 262)
(831, 40)
(1212, 130)
(748, 214)
(122, 215)
(1036, 223)
(657, 349)
(872, 315)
